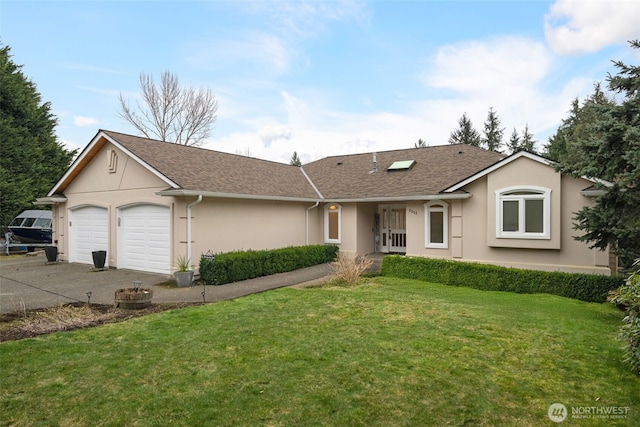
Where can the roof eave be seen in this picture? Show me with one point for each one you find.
(220, 195)
(500, 163)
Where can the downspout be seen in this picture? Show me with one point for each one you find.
(189, 206)
(306, 223)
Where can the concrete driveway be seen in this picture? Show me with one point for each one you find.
(29, 282)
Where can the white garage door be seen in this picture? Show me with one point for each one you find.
(88, 232)
(144, 238)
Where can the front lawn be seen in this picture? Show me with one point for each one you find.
(390, 352)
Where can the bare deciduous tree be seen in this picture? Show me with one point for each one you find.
(170, 112)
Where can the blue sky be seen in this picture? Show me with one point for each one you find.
(323, 77)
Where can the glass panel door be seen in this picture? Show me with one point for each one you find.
(393, 230)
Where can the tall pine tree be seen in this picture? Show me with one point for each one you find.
(527, 142)
(466, 133)
(32, 160)
(609, 149)
(514, 143)
(493, 133)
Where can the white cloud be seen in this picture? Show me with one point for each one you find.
(84, 121)
(307, 18)
(271, 133)
(68, 145)
(499, 66)
(573, 27)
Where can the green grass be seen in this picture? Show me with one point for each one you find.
(391, 352)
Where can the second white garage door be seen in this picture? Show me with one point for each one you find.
(144, 238)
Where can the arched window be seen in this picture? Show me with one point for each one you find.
(523, 213)
(333, 223)
(436, 224)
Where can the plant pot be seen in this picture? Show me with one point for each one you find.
(51, 252)
(99, 258)
(183, 278)
(132, 298)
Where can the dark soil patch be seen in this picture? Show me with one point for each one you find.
(32, 323)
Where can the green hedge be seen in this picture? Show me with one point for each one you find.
(241, 265)
(584, 287)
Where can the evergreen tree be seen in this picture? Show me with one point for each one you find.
(527, 142)
(493, 133)
(518, 142)
(466, 133)
(295, 160)
(32, 160)
(576, 127)
(610, 150)
(514, 143)
(420, 144)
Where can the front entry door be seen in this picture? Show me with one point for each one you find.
(393, 231)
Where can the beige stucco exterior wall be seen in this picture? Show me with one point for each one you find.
(357, 230)
(416, 232)
(560, 253)
(223, 225)
(472, 224)
(365, 228)
(349, 232)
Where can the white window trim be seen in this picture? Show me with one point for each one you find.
(444, 208)
(326, 223)
(543, 194)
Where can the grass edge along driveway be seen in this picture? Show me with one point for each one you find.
(390, 352)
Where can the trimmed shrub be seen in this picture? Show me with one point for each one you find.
(242, 265)
(628, 298)
(584, 287)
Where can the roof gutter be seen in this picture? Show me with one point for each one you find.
(454, 196)
(593, 193)
(441, 196)
(50, 200)
(189, 206)
(186, 193)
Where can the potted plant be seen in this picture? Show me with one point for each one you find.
(184, 274)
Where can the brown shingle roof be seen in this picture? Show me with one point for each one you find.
(337, 177)
(435, 169)
(205, 170)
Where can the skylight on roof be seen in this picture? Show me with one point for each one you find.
(401, 165)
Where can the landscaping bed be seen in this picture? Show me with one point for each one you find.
(32, 323)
